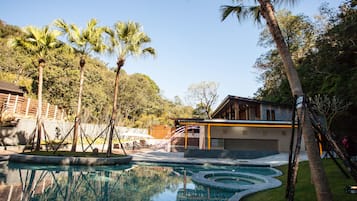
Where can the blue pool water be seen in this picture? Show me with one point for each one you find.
(134, 182)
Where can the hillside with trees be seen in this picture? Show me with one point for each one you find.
(140, 103)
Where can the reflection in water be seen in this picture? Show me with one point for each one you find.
(126, 182)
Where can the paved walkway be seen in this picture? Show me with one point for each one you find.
(162, 156)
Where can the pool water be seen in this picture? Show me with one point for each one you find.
(137, 182)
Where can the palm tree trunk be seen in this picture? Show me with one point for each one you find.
(41, 64)
(77, 120)
(318, 174)
(120, 64)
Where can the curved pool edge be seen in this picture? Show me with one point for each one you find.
(68, 160)
(269, 183)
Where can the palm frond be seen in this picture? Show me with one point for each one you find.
(84, 40)
(150, 50)
(92, 23)
(37, 40)
(228, 10)
(128, 39)
(255, 12)
(241, 12)
(61, 25)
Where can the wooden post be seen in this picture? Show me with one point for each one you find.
(15, 104)
(55, 114)
(247, 112)
(238, 111)
(261, 112)
(8, 102)
(230, 112)
(47, 110)
(27, 107)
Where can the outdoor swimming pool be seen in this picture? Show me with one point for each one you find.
(136, 181)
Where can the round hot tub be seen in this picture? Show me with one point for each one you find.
(228, 180)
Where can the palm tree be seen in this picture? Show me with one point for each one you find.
(266, 10)
(84, 41)
(38, 42)
(126, 39)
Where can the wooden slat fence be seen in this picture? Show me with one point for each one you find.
(27, 107)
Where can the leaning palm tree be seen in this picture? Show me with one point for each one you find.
(265, 9)
(84, 42)
(125, 39)
(38, 42)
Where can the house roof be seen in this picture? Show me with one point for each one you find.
(237, 123)
(10, 88)
(229, 98)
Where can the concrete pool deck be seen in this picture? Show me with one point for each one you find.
(178, 157)
(161, 156)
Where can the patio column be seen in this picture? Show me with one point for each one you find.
(209, 136)
(202, 139)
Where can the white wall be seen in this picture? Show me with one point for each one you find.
(283, 135)
(25, 127)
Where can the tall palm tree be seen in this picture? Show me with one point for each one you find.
(265, 9)
(84, 42)
(38, 42)
(125, 39)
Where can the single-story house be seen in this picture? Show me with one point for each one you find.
(239, 125)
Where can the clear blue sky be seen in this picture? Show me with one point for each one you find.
(193, 45)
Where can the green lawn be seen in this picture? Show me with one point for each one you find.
(304, 189)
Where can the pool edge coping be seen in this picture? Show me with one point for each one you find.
(69, 160)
